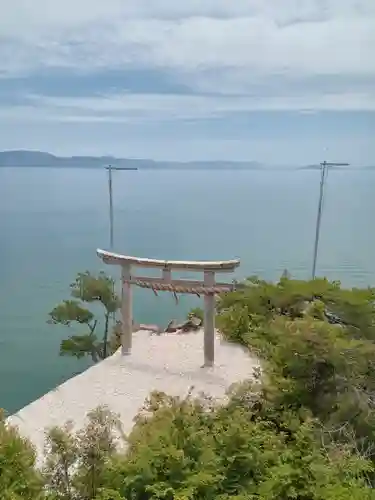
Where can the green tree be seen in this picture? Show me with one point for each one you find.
(303, 429)
(261, 301)
(19, 479)
(316, 343)
(197, 449)
(88, 289)
(76, 460)
(191, 449)
(248, 447)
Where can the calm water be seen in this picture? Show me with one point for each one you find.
(51, 222)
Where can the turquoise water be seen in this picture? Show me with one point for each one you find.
(52, 221)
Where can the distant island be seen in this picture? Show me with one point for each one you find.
(22, 158)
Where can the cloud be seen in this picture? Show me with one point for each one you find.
(215, 46)
(307, 37)
(167, 62)
(159, 108)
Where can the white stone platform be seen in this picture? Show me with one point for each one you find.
(169, 362)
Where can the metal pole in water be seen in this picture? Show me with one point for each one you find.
(110, 193)
(111, 242)
(323, 177)
(319, 216)
(110, 169)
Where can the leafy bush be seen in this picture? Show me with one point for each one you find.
(193, 449)
(19, 479)
(316, 342)
(303, 430)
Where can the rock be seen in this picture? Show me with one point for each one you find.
(187, 326)
(172, 327)
(150, 328)
(196, 321)
(191, 324)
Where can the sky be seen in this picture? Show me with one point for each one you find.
(276, 81)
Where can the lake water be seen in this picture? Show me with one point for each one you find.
(52, 221)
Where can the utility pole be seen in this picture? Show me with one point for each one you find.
(110, 192)
(110, 168)
(324, 166)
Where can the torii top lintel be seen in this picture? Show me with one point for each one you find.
(187, 265)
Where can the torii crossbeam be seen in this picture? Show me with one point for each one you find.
(208, 287)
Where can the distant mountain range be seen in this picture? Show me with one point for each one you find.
(21, 158)
(41, 159)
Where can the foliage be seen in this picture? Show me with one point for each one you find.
(194, 448)
(191, 449)
(196, 312)
(302, 430)
(19, 479)
(257, 301)
(76, 460)
(316, 342)
(115, 337)
(88, 289)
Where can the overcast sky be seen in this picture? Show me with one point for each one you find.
(279, 81)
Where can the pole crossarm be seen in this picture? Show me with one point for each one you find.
(333, 164)
(111, 167)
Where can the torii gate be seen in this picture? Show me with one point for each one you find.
(208, 287)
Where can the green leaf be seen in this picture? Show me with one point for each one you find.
(91, 288)
(80, 346)
(70, 311)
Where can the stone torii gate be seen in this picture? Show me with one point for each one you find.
(208, 287)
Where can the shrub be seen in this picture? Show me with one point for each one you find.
(19, 479)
